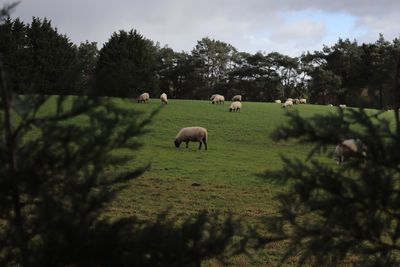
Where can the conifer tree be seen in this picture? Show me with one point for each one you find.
(349, 213)
(127, 66)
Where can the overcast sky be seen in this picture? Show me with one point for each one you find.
(286, 26)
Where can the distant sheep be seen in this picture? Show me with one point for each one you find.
(342, 106)
(194, 134)
(303, 101)
(278, 101)
(349, 148)
(218, 99)
(143, 98)
(289, 99)
(235, 106)
(212, 97)
(330, 105)
(296, 101)
(163, 98)
(288, 103)
(237, 98)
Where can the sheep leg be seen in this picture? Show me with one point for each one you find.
(205, 144)
(187, 144)
(200, 144)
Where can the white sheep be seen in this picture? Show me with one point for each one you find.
(296, 101)
(349, 148)
(330, 105)
(278, 101)
(212, 97)
(289, 99)
(288, 103)
(143, 98)
(303, 101)
(194, 134)
(342, 106)
(218, 99)
(237, 98)
(164, 98)
(235, 106)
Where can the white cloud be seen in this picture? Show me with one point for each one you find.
(248, 25)
(302, 32)
(389, 27)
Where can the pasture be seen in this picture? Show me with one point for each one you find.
(223, 179)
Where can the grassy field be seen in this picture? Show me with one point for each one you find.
(226, 175)
(225, 178)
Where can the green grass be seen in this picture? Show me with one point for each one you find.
(226, 175)
(223, 179)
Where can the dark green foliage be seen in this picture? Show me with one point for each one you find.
(38, 59)
(349, 213)
(55, 185)
(126, 66)
(88, 56)
(353, 74)
(267, 77)
(213, 60)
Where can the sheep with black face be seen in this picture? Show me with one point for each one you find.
(193, 134)
(235, 106)
(143, 98)
(349, 148)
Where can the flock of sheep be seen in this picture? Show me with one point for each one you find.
(290, 102)
(348, 148)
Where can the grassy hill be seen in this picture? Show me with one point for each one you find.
(239, 148)
(225, 178)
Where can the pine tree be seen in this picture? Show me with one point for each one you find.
(128, 63)
(348, 213)
(38, 59)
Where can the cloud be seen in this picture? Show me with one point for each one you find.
(286, 25)
(389, 27)
(301, 32)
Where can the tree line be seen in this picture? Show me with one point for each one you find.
(40, 60)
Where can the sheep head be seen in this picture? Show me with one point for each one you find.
(177, 143)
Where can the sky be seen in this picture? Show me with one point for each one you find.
(290, 27)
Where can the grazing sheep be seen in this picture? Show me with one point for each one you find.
(330, 105)
(163, 98)
(303, 101)
(212, 97)
(278, 101)
(296, 101)
(349, 148)
(288, 103)
(218, 99)
(237, 98)
(289, 99)
(235, 106)
(342, 106)
(143, 98)
(195, 134)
